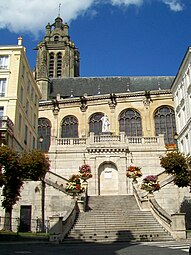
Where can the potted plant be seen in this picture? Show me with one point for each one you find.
(74, 185)
(85, 172)
(134, 172)
(150, 183)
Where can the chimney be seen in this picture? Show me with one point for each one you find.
(20, 40)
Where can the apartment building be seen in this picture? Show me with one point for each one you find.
(19, 96)
(181, 89)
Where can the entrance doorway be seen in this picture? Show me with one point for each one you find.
(25, 218)
(108, 179)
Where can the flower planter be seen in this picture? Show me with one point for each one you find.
(85, 172)
(134, 172)
(150, 183)
(85, 178)
(149, 189)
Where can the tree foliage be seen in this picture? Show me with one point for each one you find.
(34, 165)
(14, 170)
(10, 176)
(179, 165)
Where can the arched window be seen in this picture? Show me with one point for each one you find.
(130, 122)
(51, 65)
(69, 127)
(95, 123)
(56, 39)
(165, 123)
(59, 64)
(44, 133)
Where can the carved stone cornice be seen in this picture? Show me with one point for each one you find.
(106, 150)
(112, 100)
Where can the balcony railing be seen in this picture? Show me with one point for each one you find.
(105, 139)
(71, 141)
(6, 124)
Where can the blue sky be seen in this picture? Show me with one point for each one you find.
(114, 37)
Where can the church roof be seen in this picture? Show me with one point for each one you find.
(78, 86)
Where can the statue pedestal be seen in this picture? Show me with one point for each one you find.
(106, 133)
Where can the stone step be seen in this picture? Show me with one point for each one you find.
(121, 226)
(115, 230)
(112, 220)
(119, 237)
(116, 219)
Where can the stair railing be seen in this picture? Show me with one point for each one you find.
(61, 225)
(174, 223)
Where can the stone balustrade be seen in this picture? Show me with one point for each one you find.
(110, 138)
(174, 223)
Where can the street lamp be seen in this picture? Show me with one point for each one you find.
(43, 189)
(41, 139)
(175, 140)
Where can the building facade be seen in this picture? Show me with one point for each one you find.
(72, 128)
(140, 111)
(181, 89)
(19, 98)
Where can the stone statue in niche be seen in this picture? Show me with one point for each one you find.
(105, 124)
(42, 61)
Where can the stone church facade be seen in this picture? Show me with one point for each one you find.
(139, 109)
(141, 126)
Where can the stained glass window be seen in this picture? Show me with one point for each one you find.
(69, 127)
(165, 123)
(44, 133)
(130, 122)
(95, 123)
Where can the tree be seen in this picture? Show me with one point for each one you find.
(177, 164)
(11, 180)
(34, 165)
(14, 170)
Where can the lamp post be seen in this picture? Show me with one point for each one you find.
(175, 140)
(41, 139)
(43, 189)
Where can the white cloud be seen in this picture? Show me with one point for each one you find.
(33, 15)
(127, 2)
(174, 5)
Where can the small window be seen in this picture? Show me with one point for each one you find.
(28, 87)
(35, 101)
(2, 87)
(34, 121)
(59, 64)
(51, 65)
(27, 107)
(21, 95)
(23, 71)
(3, 62)
(34, 143)
(1, 111)
(20, 122)
(26, 135)
(56, 38)
(32, 94)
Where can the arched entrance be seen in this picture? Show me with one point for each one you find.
(108, 179)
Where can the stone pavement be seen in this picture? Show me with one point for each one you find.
(149, 248)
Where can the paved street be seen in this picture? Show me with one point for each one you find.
(166, 248)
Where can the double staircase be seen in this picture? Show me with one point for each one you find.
(115, 219)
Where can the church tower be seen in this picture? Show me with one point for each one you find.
(57, 56)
